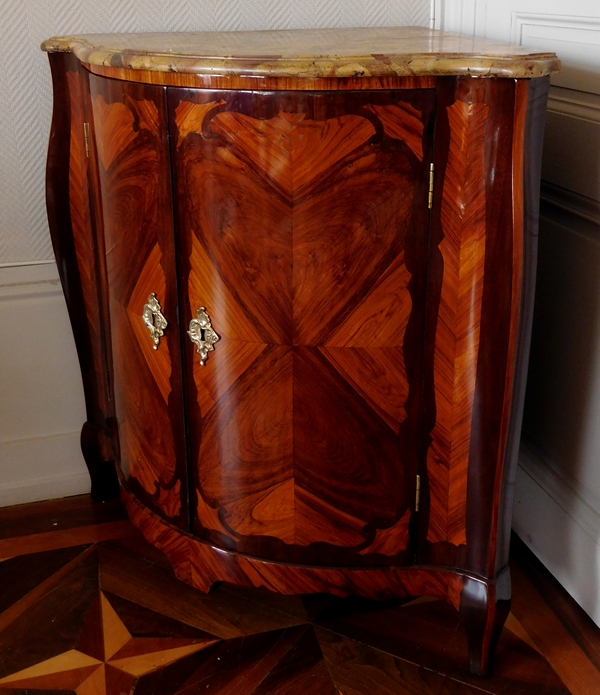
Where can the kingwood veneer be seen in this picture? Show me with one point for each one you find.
(356, 213)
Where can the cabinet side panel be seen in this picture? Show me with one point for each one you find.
(302, 221)
(531, 112)
(131, 150)
(475, 294)
(499, 322)
(76, 249)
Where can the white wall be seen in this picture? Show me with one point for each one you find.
(41, 399)
(557, 510)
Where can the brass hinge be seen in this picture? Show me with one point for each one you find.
(430, 196)
(86, 135)
(418, 493)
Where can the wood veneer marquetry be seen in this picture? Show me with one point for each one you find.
(137, 227)
(370, 340)
(305, 155)
(261, 83)
(459, 316)
(200, 564)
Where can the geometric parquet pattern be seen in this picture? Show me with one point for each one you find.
(111, 619)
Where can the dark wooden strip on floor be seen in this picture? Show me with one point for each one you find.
(65, 538)
(233, 667)
(31, 571)
(143, 622)
(38, 592)
(579, 624)
(52, 624)
(57, 515)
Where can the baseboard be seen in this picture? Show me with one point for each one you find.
(560, 523)
(42, 468)
(41, 400)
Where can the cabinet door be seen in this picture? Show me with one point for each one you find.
(303, 233)
(135, 217)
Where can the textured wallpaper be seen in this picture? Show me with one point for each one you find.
(25, 87)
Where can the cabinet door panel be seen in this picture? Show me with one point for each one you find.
(303, 231)
(129, 124)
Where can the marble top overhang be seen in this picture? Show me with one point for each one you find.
(364, 52)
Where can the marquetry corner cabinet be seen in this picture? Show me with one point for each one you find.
(299, 268)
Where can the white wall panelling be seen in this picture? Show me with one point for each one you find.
(566, 534)
(576, 38)
(558, 487)
(41, 401)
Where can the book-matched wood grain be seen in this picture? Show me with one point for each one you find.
(463, 220)
(132, 160)
(297, 415)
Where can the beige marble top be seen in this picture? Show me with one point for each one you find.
(376, 52)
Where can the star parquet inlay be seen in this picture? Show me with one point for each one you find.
(112, 619)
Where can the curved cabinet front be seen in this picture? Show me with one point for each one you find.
(301, 233)
(299, 217)
(302, 319)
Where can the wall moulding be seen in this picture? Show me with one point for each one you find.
(574, 103)
(559, 522)
(579, 47)
(61, 474)
(519, 20)
(41, 407)
(573, 203)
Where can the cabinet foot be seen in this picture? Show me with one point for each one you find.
(484, 607)
(103, 474)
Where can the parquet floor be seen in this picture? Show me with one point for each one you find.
(86, 606)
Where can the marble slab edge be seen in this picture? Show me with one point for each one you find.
(418, 64)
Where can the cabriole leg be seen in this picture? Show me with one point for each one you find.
(484, 607)
(105, 483)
